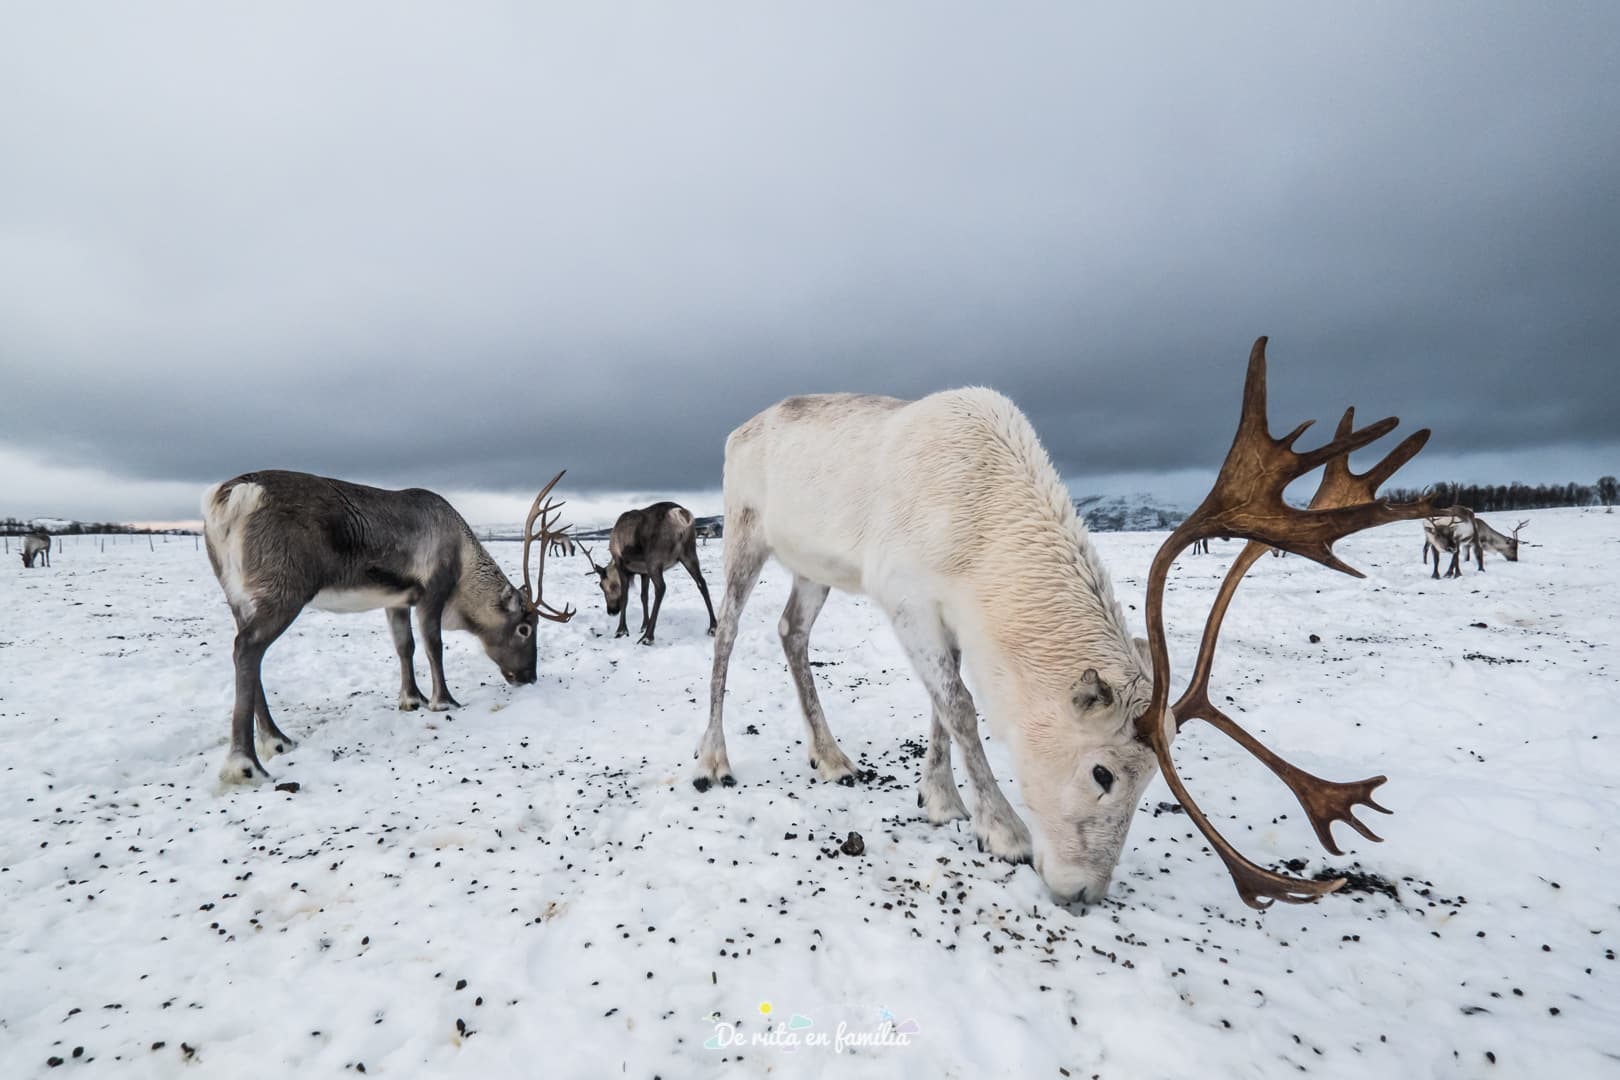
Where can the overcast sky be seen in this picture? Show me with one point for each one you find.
(463, 246)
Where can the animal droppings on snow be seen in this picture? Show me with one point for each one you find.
(531, 847)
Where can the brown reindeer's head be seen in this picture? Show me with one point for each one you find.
(1512, 552)
(510, 641)
(614, 584)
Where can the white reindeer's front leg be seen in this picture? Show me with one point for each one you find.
(745, 555)
(927, 643)
(936, 789)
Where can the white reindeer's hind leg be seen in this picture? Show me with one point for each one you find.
(936, 789)
(803, 605)
(745, 555)
(928, 644)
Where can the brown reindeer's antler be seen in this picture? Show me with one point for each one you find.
(549, 531)
(1517, 527)
(1247, 501)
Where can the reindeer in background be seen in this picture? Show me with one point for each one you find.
(1487, 537)
(36, 546)
(283, 541)
(648, 542)
(1464, 534)
(948, 514)
(1450, 532)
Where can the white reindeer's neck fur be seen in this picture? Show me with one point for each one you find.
(1042, 604)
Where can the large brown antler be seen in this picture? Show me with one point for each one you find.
(1247, 501)
(549, 532)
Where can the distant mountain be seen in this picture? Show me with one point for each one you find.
(1127, 513)
(68, 527)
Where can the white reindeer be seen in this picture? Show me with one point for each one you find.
(948, 514)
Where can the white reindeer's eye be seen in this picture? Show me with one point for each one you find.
(1104, 778)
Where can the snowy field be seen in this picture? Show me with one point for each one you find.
(530, 886)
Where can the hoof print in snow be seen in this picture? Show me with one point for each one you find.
(290, 787)
(1316, 639)
(854, 845)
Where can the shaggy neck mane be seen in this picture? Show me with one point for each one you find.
(1046, 604)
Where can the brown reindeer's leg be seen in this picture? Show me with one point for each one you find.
(627, 582)
(253, 637)
(1479, 554)
(399, 624)
(658, 602)
(803, 605)
(689, 560)
(643, 603)
(428, 613)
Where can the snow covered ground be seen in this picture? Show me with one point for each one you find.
(530, 886)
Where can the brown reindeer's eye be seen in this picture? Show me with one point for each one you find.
(1104, 778)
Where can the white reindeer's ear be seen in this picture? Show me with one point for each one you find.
(1092, 691)
(1145, 651)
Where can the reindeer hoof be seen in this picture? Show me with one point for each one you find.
(240, 768)
(444, 704)
(410, 704)
(702, 783)
(728, 781)
(622, 633)
(269, 748)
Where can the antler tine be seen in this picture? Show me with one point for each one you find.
(1247, 501)
(541, 508)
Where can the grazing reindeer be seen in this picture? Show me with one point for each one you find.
(947, 512)
(648, 542)
(1451, 531)
(283, 541)
(1487, 537)
(36, 545)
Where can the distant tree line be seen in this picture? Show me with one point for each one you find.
(17, 527)
(1484, 498)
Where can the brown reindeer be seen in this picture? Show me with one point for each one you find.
(648, 542)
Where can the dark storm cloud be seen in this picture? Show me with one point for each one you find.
(463, 247)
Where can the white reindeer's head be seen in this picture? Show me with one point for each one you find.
(1082, 772)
